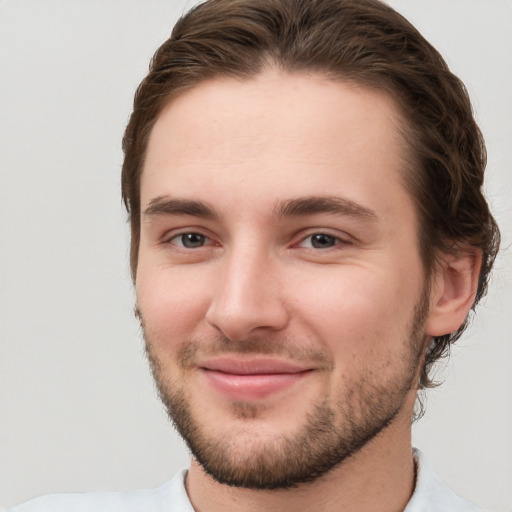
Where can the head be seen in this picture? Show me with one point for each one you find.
(362, 45)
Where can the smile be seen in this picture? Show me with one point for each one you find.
(255, 379)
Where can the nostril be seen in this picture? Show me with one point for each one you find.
(241, 322)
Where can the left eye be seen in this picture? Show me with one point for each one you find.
(190, 240)
(320, 241)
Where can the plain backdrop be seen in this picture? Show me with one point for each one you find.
(78, 410)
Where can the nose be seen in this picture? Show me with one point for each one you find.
(248, 300)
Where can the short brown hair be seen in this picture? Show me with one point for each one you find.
(364, 41)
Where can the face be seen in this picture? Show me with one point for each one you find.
(279, 280)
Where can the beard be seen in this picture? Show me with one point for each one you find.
(331, 433)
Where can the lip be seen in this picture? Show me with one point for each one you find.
(251, 379)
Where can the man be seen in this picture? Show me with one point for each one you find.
(303, 180)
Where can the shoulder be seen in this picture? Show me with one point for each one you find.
(431, 494)
(170, 497)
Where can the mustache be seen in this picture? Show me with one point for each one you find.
(190, 351)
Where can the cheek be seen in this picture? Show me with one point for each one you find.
(359, 312)
(172, 302)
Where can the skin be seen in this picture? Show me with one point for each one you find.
(255, 278)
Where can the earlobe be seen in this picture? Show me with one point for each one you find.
(453, 291)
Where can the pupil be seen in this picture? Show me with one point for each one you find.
(322, 241)
(192, 240)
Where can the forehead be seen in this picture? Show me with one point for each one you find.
(276, 133)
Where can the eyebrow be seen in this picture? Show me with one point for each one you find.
(165, 205)
(323, 204)
(302, 206)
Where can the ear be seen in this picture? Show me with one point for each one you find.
(453, 291)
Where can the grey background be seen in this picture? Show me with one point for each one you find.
(77, 406)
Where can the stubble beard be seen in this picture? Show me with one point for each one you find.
(329, 436)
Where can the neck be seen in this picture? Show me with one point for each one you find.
(380, 476)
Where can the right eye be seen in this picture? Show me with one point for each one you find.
(190, 240)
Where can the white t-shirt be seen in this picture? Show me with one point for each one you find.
(430, 495)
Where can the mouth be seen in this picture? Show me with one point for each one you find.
(251, 379)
